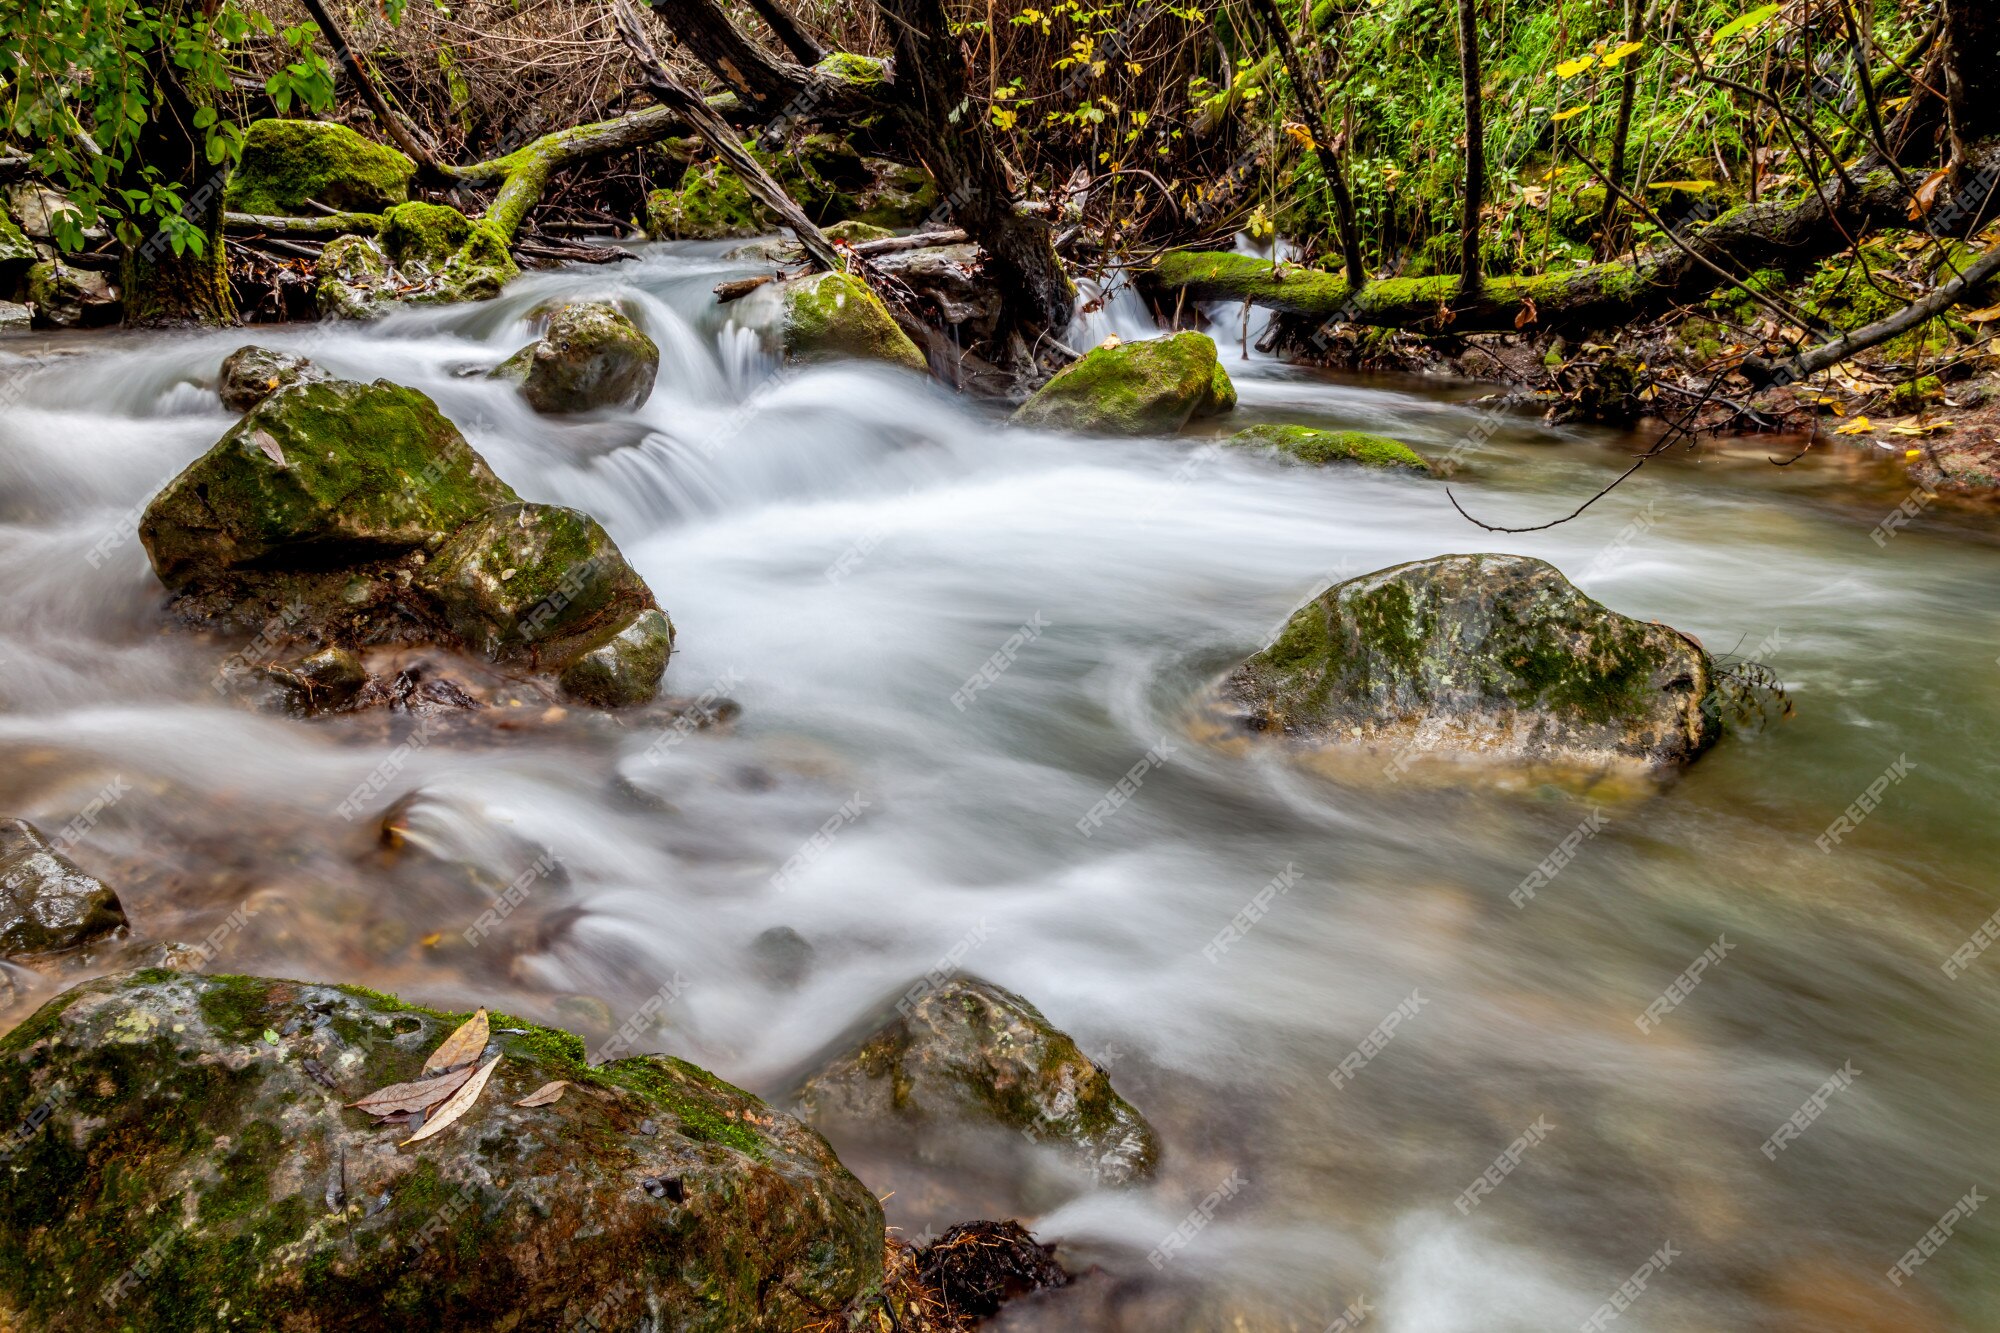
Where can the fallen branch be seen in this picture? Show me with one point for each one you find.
(333, 224)
(1760, 235)
(1830, 354)
(721, 140)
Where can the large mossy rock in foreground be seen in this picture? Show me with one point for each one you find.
(1489, 655)
(1153, 387)
(968, 1055)
(591, 356)
(47, 902)
(1322, 448)
(830, 316)
(317, 476)
(186, 1160)
(285, 163)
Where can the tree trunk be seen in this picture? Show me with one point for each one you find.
(948, 130)
(162, 289)
(1970, 54)
(1322, 131)
(1621, 134)
(764, 82)
(1475, 147)
(788, 32)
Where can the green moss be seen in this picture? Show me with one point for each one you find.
(1153, 387)
(1322, 447)
(428, 234)
(831, 316)
(367, 470)
(865, 70)
(236, 1007)
(285, 163)
(711, 203)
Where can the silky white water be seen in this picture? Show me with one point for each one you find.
(843, 549)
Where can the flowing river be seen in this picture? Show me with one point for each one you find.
(843, 549)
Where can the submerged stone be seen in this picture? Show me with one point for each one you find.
(1323, 447)
(48, 903)
(1489, 655)
(1152, 387)
(831, 316)
(592, 356)
(189, 1148)
(252, 374)
(968, 1053)
(318, 476)
(286, 163)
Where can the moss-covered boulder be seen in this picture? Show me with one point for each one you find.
(534, 583)
(252, 374)
(968, 1055)
(854, 232)
(353, 279)
(710, 204)
(188, 1159)
(420, 233)
(317, 476)
(591, 356)
(424, 254)
(285, 163)
(16, 250)
(1479, 655)
(1153, 387)
(47, 903)
(1324, 447)
(832, 316)
(71, 298)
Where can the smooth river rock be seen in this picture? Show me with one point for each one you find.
(1152, 387)
(47, 902)
(1496, 656)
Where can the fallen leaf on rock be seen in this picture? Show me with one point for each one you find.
(272, 449)
(461, 1047)
(1858, 426)
(547, 1093)
(405, 1098)
(1917, 428)
(457, 1104)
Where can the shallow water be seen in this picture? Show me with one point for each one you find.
(842, 549)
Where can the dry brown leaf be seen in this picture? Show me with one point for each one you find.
(461, 1047)
(1926, 196)
(272, 449)
(457, 1104)
(403, 1098)
(547, 1093)
(1986, 316)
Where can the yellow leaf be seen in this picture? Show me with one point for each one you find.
(1618, 53)
(461, 1047)
(1919, 429)
(1858, 426)
(1299, 134)
(1986, 316)
(456, 1105)
(1561, 116)
(1569, 69)
(1691, 187)
(547, 1093)
(430, 941)
(1912, 453)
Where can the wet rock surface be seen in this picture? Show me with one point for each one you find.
(969, 1054)
(47, 902)
(1494, 656)
(187, 1150)
(252, 374)
(591, 356)
(1153, 387)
